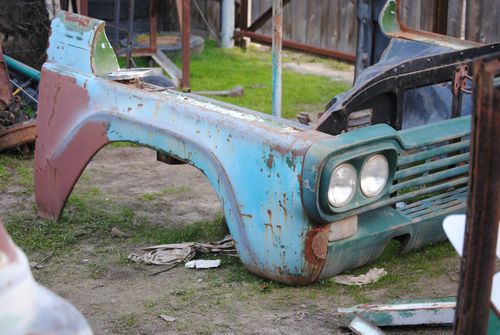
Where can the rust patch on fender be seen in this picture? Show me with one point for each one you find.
(316, 249)
(82, 21)
(270, 161)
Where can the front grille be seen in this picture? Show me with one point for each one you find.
(432, 179)
(444, 203)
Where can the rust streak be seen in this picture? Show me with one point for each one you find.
(82, 21)
(270, 161)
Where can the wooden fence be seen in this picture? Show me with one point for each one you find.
(332, 23)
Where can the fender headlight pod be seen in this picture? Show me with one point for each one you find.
(342, 186)
(374, 175)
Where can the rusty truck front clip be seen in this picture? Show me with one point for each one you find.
(301, 202)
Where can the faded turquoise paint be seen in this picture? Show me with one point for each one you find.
(261, 194)
(76, 41)
(263, 168)
(253, 160)
(254, 169)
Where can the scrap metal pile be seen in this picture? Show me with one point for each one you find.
(17, 108)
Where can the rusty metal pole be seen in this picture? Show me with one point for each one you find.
(277, 46)
(245, 21)
(5, 89)
(130, 39)
(153, 25)
(186, 27)
(83, 9)
(483, 216)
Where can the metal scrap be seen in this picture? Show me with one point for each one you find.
(18, 134)
(361, 326)
(439, 311)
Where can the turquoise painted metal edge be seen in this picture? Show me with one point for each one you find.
(80, 43)
(435, 132)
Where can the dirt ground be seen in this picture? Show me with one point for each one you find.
(120, 297)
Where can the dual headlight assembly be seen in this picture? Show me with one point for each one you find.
(357, 181)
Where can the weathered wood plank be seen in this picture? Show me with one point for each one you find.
(455, 14)
(427, 13)
(482, 21)
(300, 21)
(313, 27)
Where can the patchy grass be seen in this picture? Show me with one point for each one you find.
(223, 69)
(166, 191)
(126, 323)
(16, 170)
(86, 216)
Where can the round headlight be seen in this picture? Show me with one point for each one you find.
(374, 175)
(342, 185)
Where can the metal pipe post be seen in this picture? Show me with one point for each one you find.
(130, 38)
(227, 23)
(22, 68)
(83, 9)
(186, 45)
(153, 25)
(277, 46)
(116, 32)
(301, 46)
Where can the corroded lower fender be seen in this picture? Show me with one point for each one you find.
(252, 160)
